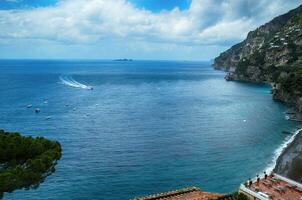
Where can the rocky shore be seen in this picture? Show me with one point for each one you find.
(289, 163)
(272, 54)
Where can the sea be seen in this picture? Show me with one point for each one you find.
(133, 128)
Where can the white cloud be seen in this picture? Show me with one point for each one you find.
(90, 21)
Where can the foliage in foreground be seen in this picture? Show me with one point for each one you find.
(234, 196)
(25, 161)
(239, 196)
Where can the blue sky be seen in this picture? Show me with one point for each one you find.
(138, 29)
(153, 5)
(23, 4)
(158, 5)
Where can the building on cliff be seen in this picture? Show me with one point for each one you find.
(271, 53)
(273, 187)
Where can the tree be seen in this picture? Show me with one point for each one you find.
(25, 160)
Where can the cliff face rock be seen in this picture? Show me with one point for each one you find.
(289, 163)
(272, 54)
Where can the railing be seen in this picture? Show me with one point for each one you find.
(250, 192)
(288, 180)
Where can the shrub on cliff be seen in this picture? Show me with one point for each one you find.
(25, 161)
(239, 196)
(242, 66)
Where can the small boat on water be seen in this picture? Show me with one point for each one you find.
(29, 106)
(37, 110)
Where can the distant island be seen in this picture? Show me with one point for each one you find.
(272, 54)
(25, 161)
(123, 60)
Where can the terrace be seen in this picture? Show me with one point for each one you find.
(272, 187)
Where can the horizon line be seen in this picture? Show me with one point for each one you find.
(105, 59)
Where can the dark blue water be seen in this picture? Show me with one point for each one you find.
(146, 127)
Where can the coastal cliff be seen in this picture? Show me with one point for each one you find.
(289, 163)
(270, 54)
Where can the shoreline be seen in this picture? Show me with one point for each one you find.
(289, 162)
(287, 159)
(282, 150)
(288, 155)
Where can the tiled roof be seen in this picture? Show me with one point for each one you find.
(192, 193)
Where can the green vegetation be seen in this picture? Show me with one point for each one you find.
(258, 58)
(234, 196)
(239, 196)
(25, 161)
(242, 66)
(271, 54)
(292, 81)
(292, 84)
(296, 19)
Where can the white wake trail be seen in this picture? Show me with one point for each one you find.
(69, 81)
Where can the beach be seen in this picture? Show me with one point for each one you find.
(289, 163)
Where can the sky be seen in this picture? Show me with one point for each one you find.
(137, 29)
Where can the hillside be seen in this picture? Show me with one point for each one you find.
(270, 54)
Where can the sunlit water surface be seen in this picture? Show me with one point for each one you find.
(146, 127)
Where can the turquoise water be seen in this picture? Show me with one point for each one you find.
(146, 127)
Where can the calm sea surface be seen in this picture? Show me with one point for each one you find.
(146, 127)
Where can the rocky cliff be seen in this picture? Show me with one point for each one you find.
(289, 163)
(270, 54)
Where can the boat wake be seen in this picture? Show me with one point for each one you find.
(68, 80)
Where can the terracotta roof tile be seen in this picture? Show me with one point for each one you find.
(192, 193)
